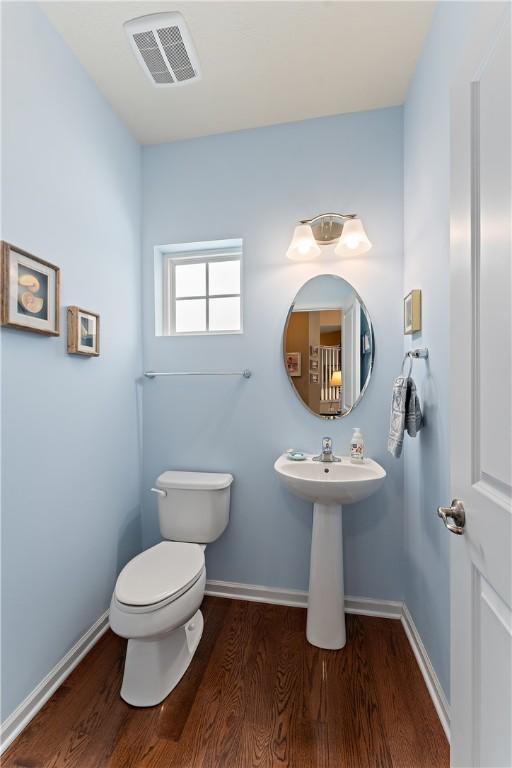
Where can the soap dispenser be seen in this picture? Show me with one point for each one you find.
(357, 446)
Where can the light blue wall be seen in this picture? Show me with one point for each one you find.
(256, 185)
(71, 482)
(426, 266)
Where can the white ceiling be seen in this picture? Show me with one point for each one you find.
(262, 62)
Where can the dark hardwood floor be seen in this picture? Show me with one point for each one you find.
(256, 695)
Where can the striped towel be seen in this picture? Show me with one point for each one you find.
(405, 414)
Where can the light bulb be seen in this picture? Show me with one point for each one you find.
(303, 245)
(353, 240)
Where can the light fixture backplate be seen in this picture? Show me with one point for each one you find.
(327, 227)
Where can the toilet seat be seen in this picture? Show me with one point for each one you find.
(159, 576)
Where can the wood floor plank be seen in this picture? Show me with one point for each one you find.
(255, 742)
(418, 739)
(287, 700)
(356, 730)
(212, 722)
(314, 694)
(225, 746)
(256, 695)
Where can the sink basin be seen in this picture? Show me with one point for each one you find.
(328, 486)
(336, 483)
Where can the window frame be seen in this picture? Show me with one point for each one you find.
(207, 257)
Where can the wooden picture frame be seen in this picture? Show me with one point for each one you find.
(83, 332)
(294, 363)
(412, 312)
(29, 292)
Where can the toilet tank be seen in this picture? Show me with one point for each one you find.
(195, 507)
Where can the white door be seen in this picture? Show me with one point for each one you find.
(351, 354)
(481, 459)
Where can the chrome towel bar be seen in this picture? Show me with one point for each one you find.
(246, 373)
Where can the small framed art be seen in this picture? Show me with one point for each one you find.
(412, 312)
(293, 363)
(83, 332)
(30, 292)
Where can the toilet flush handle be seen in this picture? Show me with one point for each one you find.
(157, 490)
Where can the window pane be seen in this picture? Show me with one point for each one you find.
(190, 279)
(224, 277)
(190, 315)
(225, 314)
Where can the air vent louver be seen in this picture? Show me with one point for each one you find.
(150, 52)
(164, 48)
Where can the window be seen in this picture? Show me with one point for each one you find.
(202, 291)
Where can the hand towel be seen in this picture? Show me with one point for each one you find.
(413, 415)
(405, 414)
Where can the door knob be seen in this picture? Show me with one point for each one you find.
(457, 514)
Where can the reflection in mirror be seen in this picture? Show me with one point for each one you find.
(328, 346)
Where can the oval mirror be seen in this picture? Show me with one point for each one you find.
(328, 346)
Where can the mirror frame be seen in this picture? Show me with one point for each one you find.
(372, 361)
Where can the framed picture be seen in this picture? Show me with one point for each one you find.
(293, 363)
(313, 350)
(412, 312)
(313, 365)
(30, 292)
(83, 332)
(313, 378)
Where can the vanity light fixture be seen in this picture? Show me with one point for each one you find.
(345, 229)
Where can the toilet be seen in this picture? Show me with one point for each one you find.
(156, 599)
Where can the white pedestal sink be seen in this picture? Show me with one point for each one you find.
(328, 485)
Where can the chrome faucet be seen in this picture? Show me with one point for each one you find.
(327, 455)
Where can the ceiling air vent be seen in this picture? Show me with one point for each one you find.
(164, 48)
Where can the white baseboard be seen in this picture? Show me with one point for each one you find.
(257, 594)
(366, 606)
(427, 670)
(23, 714)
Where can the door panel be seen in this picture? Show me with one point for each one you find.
(491, 125)
(494, 651)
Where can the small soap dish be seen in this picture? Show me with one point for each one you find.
(295, 455)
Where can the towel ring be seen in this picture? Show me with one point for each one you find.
(412, 354)
(407, 355)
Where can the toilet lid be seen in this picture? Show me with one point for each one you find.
(159, 572)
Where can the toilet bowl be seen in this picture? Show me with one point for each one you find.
(157, 596)
(155, 605)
